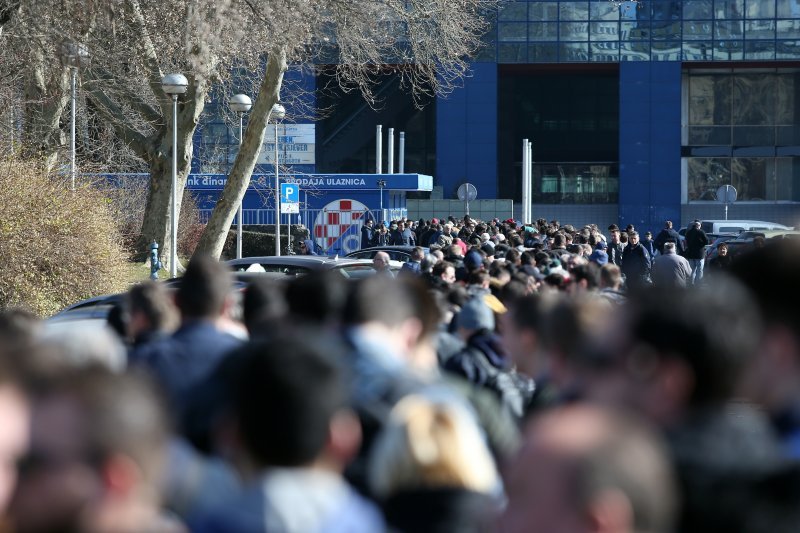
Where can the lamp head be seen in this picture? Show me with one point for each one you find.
(240, 103)
(174, 84)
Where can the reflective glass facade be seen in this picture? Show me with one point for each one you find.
(532, 31)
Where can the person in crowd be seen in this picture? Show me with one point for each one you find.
(584, 468)
(188, 356)
(264, 305)
(772, 378)
(367, 233)
(611, 283)
(484, 361)
(292, 436)
(413, 266)
(306, 247)
(382, 236)
(615, 248)
(381, 264)
(599, 256)
(678, 370)
(696, 242)
(443, 273)
(431, 469)
(15, 413)
(636, 262)
(668, 234)
(97, 450)
(649, 244)
(671, 269)
(151, 315)
(723, 260)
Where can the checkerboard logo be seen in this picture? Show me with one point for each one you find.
(337, 226)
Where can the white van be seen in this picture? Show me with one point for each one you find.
(738, 226)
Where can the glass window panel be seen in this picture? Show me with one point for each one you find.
(543, 31)
(697, 51)
(697, 9)
(574, 10)
(728, 29)
(543, 11)
(512, 31)
(705, 176)
(574, 52)
(749, 176)
(787, 179)
(753, 99)
(604, 51)
(513, 11)
(666, 51)
(788, 8)
(728, 9)
(543, 53)
(604, 31)
(634, 51)
(785, 95)
(759, 9)
(759, 29)
(604, 11)
(759, 50)
(787, 135)
(709, 136)
(669, 32)
(574, 31)
(697, 30)
(789, 29)
(709, 100)
(512, 53)
(634, 31)
(728, 50)
(787, 50)
(753, 136)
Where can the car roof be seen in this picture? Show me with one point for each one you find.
(308, 261)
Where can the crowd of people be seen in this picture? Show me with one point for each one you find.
(514, 378)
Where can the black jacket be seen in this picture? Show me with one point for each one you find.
(665, 236)
(636, 263)
(614, 252)
(696, 241)
(440, 510)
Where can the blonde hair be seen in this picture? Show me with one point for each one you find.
(429, 444)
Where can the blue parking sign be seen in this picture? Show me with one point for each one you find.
(290, 198)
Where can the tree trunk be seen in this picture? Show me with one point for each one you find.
(213, 239)
(45, 102)
(156, 224)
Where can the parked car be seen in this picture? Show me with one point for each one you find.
(770, 234)
(396, 253)
(298, 265)
(738, 226)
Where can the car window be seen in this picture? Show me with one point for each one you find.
(355, 271)
(367, 254)
(730, 229)
(399, 256)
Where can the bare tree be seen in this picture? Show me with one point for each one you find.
(134, 42)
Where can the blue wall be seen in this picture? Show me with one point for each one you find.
(649, 144)
(466, 134)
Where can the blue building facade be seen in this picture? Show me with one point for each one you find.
(638, 112)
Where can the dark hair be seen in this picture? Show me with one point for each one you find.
(203, 288)
(263, 305)
(589, 272)
(440, 268)
(685, 324)
(152, 300)
(318, 297)
(288, 391)
(377, 299)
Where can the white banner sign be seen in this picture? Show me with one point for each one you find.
(290, 209)
(295, 145)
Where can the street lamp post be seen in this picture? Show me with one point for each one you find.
(173, 85)
(278, 112)
(73, 55)
(241, 104)
(381, 185)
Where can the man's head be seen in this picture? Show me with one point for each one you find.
(97, 448)
(585, 469)
(722, 249)
(150, 308)
(445, 271)
(369, 222)
(204, 289)
(633, 238)
(668, 224)
(614, 236)
(610, 277)
(417, 254)
(669, 247)
(290, 404)
(381, 261)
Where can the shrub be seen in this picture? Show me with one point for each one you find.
(58, 246)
